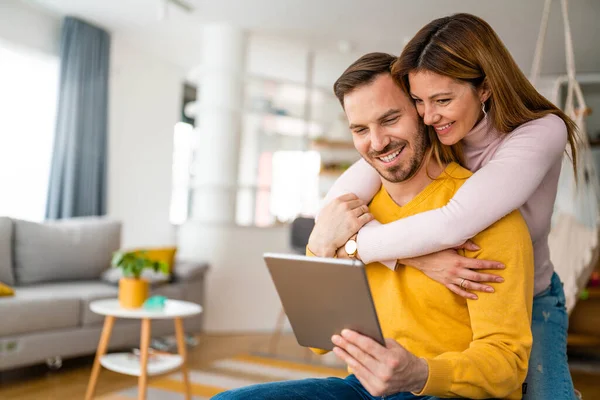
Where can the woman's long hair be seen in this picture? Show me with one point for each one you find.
(466, 48)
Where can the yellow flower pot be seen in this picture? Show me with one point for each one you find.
(132, 292)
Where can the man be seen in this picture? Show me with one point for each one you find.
(437, 343)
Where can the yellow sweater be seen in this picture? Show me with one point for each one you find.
(474, 348)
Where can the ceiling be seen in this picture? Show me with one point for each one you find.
(374, 25)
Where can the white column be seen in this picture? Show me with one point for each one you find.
(220, 82)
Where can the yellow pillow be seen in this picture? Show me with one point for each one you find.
(165, 254)
(6, 290)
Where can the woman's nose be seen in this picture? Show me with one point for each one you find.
(430, 116)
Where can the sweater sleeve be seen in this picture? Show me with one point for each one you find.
(504, 184)
(360, 179)
(495, 363)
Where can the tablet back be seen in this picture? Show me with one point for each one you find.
(322, 296)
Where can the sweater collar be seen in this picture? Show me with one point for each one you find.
(482, 134)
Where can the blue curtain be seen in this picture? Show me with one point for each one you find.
(77, 185)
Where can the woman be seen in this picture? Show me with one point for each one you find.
(468, 89)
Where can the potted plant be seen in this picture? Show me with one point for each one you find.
(133, 290)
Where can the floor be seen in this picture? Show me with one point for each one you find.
(70, 382)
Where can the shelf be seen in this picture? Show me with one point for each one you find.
(593, 293)
(128, 364)
(332, 144)
(287, 125)
(581, 340)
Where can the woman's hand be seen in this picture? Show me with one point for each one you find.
(456, 272)
(337, 222)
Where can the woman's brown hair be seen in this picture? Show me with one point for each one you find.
(466, 48)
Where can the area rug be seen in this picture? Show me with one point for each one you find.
(231, 373)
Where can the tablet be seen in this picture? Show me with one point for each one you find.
(322, 296)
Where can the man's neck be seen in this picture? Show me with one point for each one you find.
(405, 191)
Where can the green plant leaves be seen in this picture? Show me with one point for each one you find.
(133, 263)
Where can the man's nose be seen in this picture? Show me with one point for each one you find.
(430, 116)
(379, 140)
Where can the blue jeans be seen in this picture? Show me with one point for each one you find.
(308, 389)
(548, 376)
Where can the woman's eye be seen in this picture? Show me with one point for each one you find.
(443, 101)
(418, 101)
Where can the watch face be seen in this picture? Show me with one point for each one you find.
(350, 247)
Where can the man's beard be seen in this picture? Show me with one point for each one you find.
(404, 170)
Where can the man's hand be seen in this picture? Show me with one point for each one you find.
(381, 370)
(337, 222)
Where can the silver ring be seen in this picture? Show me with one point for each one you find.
(461, 283)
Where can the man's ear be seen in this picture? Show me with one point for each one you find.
(484, 91)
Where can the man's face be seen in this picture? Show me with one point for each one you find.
(386, 128)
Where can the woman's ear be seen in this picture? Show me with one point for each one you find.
(484, 91)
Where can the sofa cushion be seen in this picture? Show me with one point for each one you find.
(38, 308)
(77, 248)
(6, 268)
(86, 292)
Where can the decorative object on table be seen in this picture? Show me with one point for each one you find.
(169, 343)
(155, 303)
(133, 290)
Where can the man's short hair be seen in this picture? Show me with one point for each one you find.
(362, 72)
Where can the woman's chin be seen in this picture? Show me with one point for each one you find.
(448, 140)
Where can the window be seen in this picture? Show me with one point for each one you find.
(28, 99)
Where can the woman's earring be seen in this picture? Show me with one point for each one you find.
(483, 109)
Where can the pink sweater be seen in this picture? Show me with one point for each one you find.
(516, 170)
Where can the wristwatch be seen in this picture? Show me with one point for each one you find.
(351, 248)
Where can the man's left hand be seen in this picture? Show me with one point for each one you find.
(381, 370)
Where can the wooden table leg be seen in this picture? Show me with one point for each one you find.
(109, 321)
(144, 345)
(183, 353)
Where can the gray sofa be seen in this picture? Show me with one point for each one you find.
(56, 269)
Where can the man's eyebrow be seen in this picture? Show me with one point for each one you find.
(435, 95)
(387, 114)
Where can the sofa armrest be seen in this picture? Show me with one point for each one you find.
(186, 270)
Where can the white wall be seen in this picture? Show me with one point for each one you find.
(144, 103)
(30, 27)
(240, 295)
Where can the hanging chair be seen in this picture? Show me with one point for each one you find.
(575, 230)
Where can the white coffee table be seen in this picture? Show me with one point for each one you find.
(126, 364)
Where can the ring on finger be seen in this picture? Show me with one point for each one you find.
(462, 283)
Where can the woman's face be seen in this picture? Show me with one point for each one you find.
(452, 107)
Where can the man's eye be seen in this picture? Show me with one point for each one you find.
(360, 131)
(418, 101)
(390, 121)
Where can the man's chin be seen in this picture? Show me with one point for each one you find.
(394, 176)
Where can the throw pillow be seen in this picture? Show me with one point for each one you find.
(6, 290)
(164, 254)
